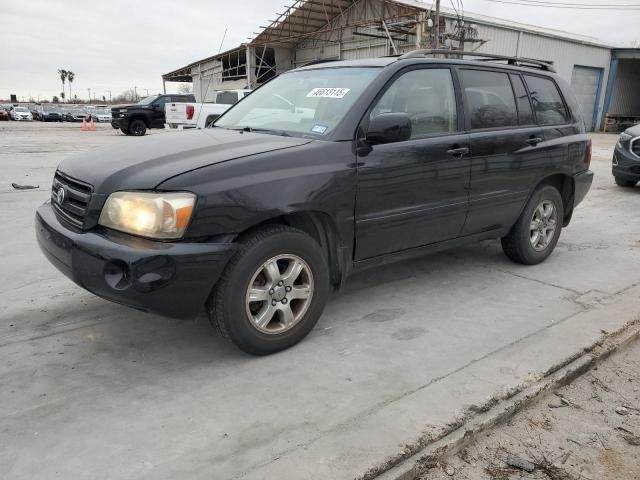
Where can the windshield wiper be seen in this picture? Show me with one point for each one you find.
(270, 131)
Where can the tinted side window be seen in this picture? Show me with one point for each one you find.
(427, 96)
(490, 99)
(547, 101)
(525, 114)
(161, 101)
(227, 98)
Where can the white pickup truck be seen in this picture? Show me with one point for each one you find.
(201, 115)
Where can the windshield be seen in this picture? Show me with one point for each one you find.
(20, 109)
(303, 103)
(148, 100)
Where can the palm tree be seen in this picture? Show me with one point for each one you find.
(62, 96)
(63, 77)
(70, 77)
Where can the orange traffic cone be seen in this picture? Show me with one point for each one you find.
(92, 125)
(84, 125)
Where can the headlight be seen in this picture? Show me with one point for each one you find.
(623, 138)
(153, 215)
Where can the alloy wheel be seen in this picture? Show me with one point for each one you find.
(543, 225)
(279, 294)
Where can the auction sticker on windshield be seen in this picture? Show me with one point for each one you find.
(326, 92)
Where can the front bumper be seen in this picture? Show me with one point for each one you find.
(115, 123)
(172, 279)
(625, 165)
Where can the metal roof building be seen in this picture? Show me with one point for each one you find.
(312, 30)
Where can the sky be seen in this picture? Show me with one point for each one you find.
(117, 45)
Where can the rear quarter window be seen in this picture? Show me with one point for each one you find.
(547, 101)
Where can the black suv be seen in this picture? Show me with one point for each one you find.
(325, 170)
(136, 118)
(626, 158)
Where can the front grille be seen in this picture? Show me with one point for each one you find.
(75, 203)
(635, 146)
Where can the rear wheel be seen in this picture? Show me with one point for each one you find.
(536, 233)
(138, 128)
(621, 182)
(272, 292)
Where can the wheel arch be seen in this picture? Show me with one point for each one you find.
(322, 228)
(566, 186)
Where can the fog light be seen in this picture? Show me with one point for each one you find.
(117, 276)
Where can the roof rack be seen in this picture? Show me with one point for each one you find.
(483, 57)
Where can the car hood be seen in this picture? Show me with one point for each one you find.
(635, 130)
(124, 105)
(144, 163)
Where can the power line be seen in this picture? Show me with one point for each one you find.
(550, 2)
(572, 7)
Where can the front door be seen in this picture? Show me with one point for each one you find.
(414, 192)
(158, 115)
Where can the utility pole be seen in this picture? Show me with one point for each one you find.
(109, 96)
(435, 41)
(89, 90)
(135, 91)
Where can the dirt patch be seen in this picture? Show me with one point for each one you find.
(587, 430)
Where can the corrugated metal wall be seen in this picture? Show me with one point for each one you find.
(625, 99)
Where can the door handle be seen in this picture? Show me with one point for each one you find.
(458, 152)
(534, 141)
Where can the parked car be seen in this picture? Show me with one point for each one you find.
(21, 113)
(101, 115)
(75, 115)
(202, 115)
(147, 113)
(626, 158)
(256, 219)
(50, 114)
(4, 115)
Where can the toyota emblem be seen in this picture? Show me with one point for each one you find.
(61, 194)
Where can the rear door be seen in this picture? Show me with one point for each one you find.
(414, 192)
(504, 141)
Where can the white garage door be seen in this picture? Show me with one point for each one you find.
(585, 82)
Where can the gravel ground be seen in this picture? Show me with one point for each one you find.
(589, 429)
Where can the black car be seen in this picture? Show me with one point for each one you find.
(257, 219)
(75, 115)
(50, 115)
(626, 158)
(148, 113)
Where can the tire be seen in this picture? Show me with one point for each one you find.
(624, 183)
(235, 317)
(518, 245)
(125, 131)
(137, 128)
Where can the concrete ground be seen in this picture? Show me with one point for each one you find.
(90, 389)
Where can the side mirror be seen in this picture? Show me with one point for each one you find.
(389, 128)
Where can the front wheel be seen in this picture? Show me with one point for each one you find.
(621, 182)
(536, 233)
(138, 128)
(272, 292)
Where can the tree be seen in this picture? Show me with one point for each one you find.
(63, 78)
(70, 77)
(185, 88)
(55, 99)
(62, 96)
